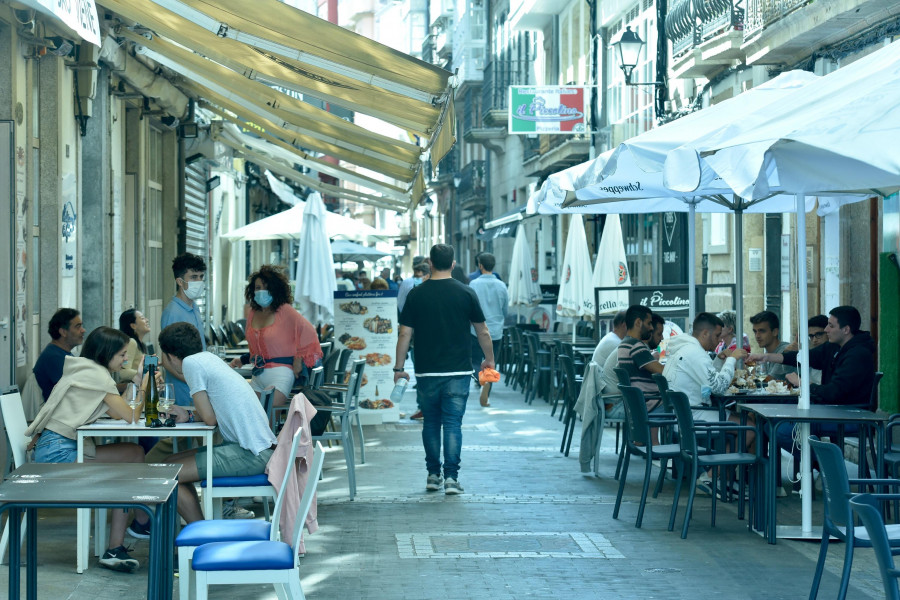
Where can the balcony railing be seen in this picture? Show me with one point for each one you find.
(471, 108)
(498, 76)
(471, 181)
(692, 22)
(446, 169)
(761, 13)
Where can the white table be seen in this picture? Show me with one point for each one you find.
(119, 428)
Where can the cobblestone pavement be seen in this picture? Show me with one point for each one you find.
(530, 525)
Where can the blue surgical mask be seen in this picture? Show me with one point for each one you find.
(417, 280)
(262, 297)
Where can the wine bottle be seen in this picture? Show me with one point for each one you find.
(151, 398)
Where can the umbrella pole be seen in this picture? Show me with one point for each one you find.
(692, 268)
(803, 403)
(739, 272)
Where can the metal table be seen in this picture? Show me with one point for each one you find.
(118, 428)
(151, 488)
(776, 414)
(726, 401)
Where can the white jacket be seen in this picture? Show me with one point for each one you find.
(689, 368)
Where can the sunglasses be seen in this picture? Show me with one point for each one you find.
(816, 336)
(156, 423)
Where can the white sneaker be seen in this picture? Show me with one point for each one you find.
(452, 487)
(231, 511)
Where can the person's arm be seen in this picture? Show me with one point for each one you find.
(403, 338)
(203, 408)
(117, 406)
(134, 356)
(846, 385)
(484, 340)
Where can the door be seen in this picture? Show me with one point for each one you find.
(7, 252)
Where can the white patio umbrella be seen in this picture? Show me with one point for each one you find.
(576, 294)
(345, 251)
(523, 288)
(315, 282)
(611, 268)
(286, 225)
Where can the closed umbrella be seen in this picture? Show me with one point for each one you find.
(576, 296)
(523, 288)
(315, 283)
(611, 268)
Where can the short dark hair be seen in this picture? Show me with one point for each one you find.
(276, 282)
(441, 257)
(458, 274)
(766, 316)
(418, 259)
(635, 312)
(847, 316)
(61, 320)
(103, 344)
(704, 321)
(619, 318)
(183, 262)
(657, 319)
(180, 340)
(422, 268)
(126, 320)
(487, 261)
(818, 321)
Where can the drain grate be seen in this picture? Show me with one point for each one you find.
(509, 544)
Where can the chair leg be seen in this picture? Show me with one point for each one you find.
(663, 467)
(648, 469)
(848, 564)
(679, 479)
(4, 540)
(820, 566)
(622, 478)
(347, 443)
(362, 440)
(619, 462)
(295, 591)
(692, 490)
(185, 576)
(201, 584)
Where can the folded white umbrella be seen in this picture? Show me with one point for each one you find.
(315, 283)
(576, 294)
(523, 288)
(611, 268)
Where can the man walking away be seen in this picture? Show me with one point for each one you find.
(439, 313)
(494, 299)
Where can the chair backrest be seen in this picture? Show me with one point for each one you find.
(279, 499)
(863, 506)
(15, 424)
(329, 365)
(224, 338)
(873, 398)
(636, 419)
(342, 365)
(359, 367)
(316, 377)
(663, 384)
(326, 348)
(308, 495)
(570, 385)
(622, 374)
(835, 483)
(687, 438)
(211, 338)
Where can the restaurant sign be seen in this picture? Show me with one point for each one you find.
(670, 299)
(547, 109)
(80, 16)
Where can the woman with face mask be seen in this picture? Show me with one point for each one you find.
(283, 344)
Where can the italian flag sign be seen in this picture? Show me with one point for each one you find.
(547, 109)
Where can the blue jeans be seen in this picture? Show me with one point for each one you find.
(54, 448)
(443, 404)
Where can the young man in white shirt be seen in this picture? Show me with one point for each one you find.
(221, 397)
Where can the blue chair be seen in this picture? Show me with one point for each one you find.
(242, 487)
(254, 562)
(219, 530)
(838, 520)
(871, 519)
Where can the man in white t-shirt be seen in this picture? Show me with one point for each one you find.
(221, 397)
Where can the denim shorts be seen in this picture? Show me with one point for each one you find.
(230, 460)
(54, 448)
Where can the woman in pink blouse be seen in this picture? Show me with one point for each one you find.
(282, 343)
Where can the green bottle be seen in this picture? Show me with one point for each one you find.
(151, 398)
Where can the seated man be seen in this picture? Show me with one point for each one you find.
(766, 330)
(634, 355)
(66, 331)
(221, 397)
(817, 336)
(651, 339)
(611, 340)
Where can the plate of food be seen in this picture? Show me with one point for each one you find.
(378, 324)
(353, 308)
(382, 404)
(375, 359)
(353, 342)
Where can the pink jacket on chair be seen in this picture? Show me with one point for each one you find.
(299, 415)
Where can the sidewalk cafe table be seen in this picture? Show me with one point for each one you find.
(151, 488)
(776, 414)
(118, 428)
(725, 401)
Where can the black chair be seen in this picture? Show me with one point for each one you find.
(539, 376)
(863, 506)
(518, 371)
(570, 391)
(838, 520)
(695, 456)
(329, 366)
(638, 441)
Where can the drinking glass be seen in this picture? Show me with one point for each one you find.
(133, 398)
(760, 375)
(166, 398)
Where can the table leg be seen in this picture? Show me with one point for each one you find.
(82, 523)
(208, 495)
(31, 556)
(156, 541)
(771, 483)
(14, 516)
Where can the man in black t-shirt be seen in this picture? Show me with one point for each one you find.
(439, 313)
(66, 331)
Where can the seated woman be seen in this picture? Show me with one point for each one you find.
(283, 344)
(86, 392)
(135, 325)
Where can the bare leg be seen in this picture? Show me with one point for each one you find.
(279, 399)
(120, 453)
(188, 500)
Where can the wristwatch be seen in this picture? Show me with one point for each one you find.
(400, 370)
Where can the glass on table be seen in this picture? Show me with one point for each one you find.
(166, 400)
(760, 375)
(133, 398)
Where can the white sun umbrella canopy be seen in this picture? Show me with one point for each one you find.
(523, 288)
(315, 282)
(611, 269)
(287, 224)
(576, 294)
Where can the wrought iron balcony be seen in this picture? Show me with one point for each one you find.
(446, 169)
(692, 22)
(762, 13)
(498, 76)
(471, 191)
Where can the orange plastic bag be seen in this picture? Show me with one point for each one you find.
(488, 376)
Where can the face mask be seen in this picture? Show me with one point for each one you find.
(262, 297)
(417, 280)
(195, 289)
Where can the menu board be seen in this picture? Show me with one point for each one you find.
(365, 321)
